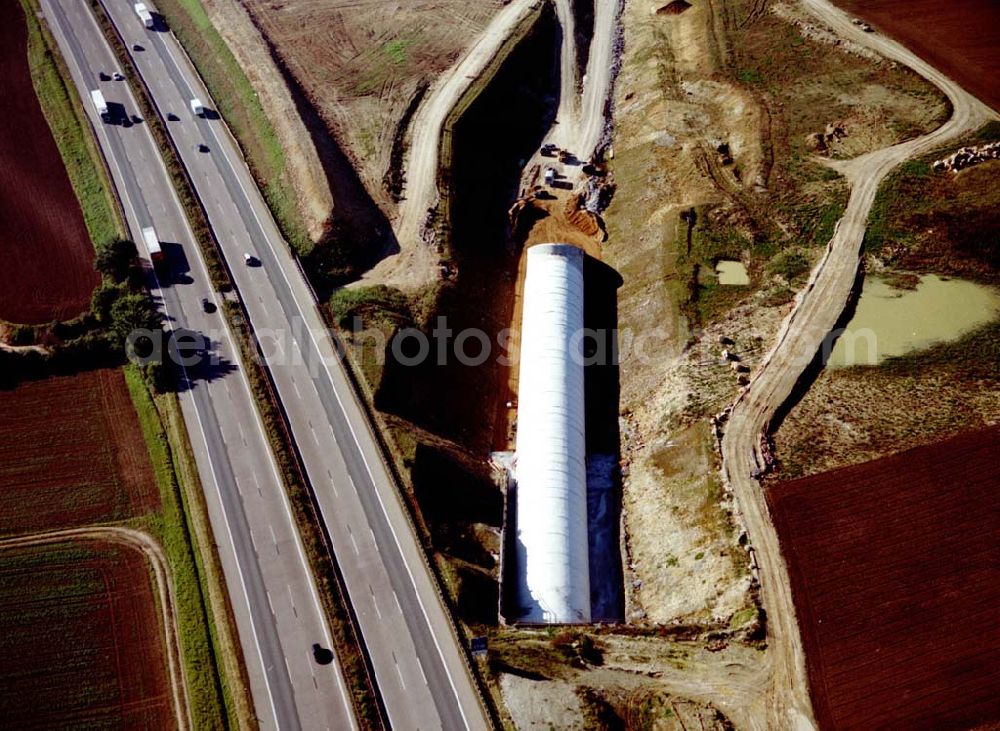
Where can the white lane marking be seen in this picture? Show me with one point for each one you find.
(333, 484)
(291, 600)
(296, 387)
(374, 603)
(400, 608)
(398, 671)
(420, 666)
(274, 539)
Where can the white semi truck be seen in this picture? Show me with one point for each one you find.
(144, 15)
(197, 108)
(152, 245)
(100, 105)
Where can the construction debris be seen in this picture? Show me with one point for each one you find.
(966, 157)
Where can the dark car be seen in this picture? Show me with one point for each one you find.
(322, 655)
(137, 47)
(207, 305)
(171, 117)
(201, 147)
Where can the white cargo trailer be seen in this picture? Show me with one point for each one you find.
(152, 244)
(144, 15)
(100, 105)
(197, 108)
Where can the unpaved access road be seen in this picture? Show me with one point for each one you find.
(415, 265)
(148, 547)
(786, 702)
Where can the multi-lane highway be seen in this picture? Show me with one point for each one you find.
(419, 666)
(278, 614)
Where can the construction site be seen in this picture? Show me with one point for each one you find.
(663, 213)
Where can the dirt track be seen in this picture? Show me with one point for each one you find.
(414, 266)
(817, 309)
(145, 544)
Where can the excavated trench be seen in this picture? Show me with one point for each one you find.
(460, 406)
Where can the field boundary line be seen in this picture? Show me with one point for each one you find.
(145, 544)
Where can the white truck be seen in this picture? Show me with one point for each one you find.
(152, 245)
(100, 105)
(197, 108)
(144, 15)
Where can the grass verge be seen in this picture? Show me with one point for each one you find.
(210, 691)
(66, 118)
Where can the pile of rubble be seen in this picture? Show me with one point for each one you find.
(821, 141)
(966, 157)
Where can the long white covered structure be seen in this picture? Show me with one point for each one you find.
(550, 468)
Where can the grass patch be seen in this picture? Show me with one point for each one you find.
(209, 690)
(71, 130)
(241, 108)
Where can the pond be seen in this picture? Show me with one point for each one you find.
(732, 273)
(891, 321)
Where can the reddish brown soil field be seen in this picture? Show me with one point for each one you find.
(959, 37)
(47, 256)
(896, 581)
(72, 453)
(80, 640)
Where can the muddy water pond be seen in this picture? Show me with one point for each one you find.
(891, 321)
(732, 273)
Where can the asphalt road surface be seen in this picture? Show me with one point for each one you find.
(274, 599)
(419, 666)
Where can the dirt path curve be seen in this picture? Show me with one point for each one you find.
(817, 308)
(151, 549)
(417, 260)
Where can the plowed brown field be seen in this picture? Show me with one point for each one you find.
(960, 37)
(72, 453)
(47, 272)
(79, 645)
(895, 572)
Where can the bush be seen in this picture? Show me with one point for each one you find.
(789, 264)
(132, 312)
(102, 298)
(116, 259)
(378, 302)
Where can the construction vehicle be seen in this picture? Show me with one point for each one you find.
(550, 176)
(100, 105)
(197, 108)
(144, 15)
(153, 247)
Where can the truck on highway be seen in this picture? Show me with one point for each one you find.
(197, 108)
(100, 104)
(152, 245)
(144, 15)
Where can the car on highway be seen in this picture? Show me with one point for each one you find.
(117, 76)
(207, 305)
(201, 147)
(137, 47)
(250, 259)
(171, 117)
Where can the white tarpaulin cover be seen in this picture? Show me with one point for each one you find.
(550, 472)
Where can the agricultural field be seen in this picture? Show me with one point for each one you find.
(78, 640)
(894, 574)
(44, 243)
(72, 453)
(961, 37)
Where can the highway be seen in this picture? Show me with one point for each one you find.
(272, 592)
(419, 666)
